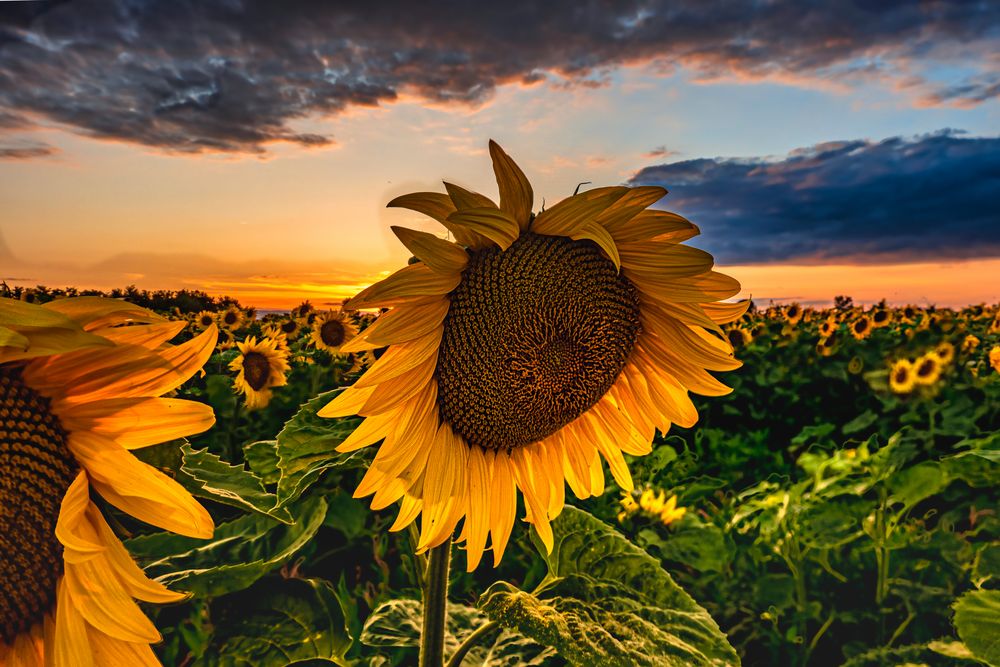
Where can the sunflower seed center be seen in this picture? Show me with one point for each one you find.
(36, 469)
(534, 337)
(332, 333)
(256, 370)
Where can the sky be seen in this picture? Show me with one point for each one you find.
(249, 148)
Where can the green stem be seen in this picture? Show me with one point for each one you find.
(470, 642)
(435, 603)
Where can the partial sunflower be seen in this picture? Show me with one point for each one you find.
(232, 319)
(969, 344)
(828, 326)
(855, 365)
(261, 366)
(995, 358)
(528, 349)
(289, 327)
(793, 314)
(881, 317)
(331, 330)
(738, 337)
(204, 319)
(78, 392)
(945, 351)
(927, 369)
(827, 347)
(901, 375)
(861, 327)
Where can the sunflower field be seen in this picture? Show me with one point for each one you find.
(384, 482)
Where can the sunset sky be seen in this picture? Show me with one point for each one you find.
(250, 148)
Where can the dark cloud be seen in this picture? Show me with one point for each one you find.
(232, 75)
(26, 152)
(930, 197)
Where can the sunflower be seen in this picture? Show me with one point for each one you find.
(881, 317)
(527, 350)
(232, 319)
(995, 358)
(927, 369)
(738, 337)
(855, 365)
(826, 347)
(204, 319)
(901, 376)
(969, 344)
(946, 352)
(78, 392)
(290, 328)
(331, 330)
(260, 367)
(827, 327)
(793, 314)
(861, 327)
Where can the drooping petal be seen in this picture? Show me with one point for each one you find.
(440, 255)
(516, 196)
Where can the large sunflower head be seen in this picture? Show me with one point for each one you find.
(529, 348)
(331, 331)
(260, 366)
(80, 386)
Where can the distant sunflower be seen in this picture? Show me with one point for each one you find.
(945, 351)
(827, 346)
(528, 349)
(927, 369)
(861, 327)
(793, 314)
(204, 319)
(969, 344)
(290, 328)
(855, 365)
(78, 392)
(260, 367)
(232, 319)
(881, 317)
(827, 327)
(995, 358)
(331, 331)
(901, 378)
(738, 337)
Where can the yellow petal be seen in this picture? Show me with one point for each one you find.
(401, 324)
(401, 358)
(432, 204)
(723, 313)
(409, 510)
(516, 196)
(70, 646)
(391, 393)
(443, 487)
(594, 232)
(570, 215)
(139, 489)
(406, 285)
(503, 503)
(535, 496)
(71, 527)
(100, 599)
(655, 225)
(368, 432)
(150, 335)
(666, 260)
(630, 205)
(477, 518)
(111, 652)
(347, 403)
(439, 255)
(465, 199)
(139, 422)
(94, 312)
(711, 286)
(490, 223)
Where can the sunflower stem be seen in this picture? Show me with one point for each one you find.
(435, 603)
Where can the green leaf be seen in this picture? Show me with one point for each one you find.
(240, 552)
(977, 619)
(860, 423)
(307, 447)
(397, 624)
(262, 456)
(607, 602)
(211, 477)
(911, 485)
(279, 622)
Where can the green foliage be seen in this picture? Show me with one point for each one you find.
(607, 602)
(977, 618)
(280, 622)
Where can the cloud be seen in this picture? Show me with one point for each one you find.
(235, 76)
(27, 151)
(930, 197)
(659, 152)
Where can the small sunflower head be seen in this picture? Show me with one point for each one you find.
(969, 344)
(260, 366)
(331, 331)
(927, 369)
(204, 319)
(901, 376)
(738, 337)
(232, 319)
(995, 358)
(861, 327)
(793, 313)
(855, 365)
(946, 351)
(826, 347)
(881, 317)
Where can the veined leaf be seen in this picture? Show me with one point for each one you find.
(606, 602)
(210, 477)
(977, 619)
(240, 552)
(278, 622)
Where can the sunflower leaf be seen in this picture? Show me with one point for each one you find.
(241, 551)
(280, 622)
(977, 619)
(307, 447)
(396, 625)
(605, 601)
(210, 477)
